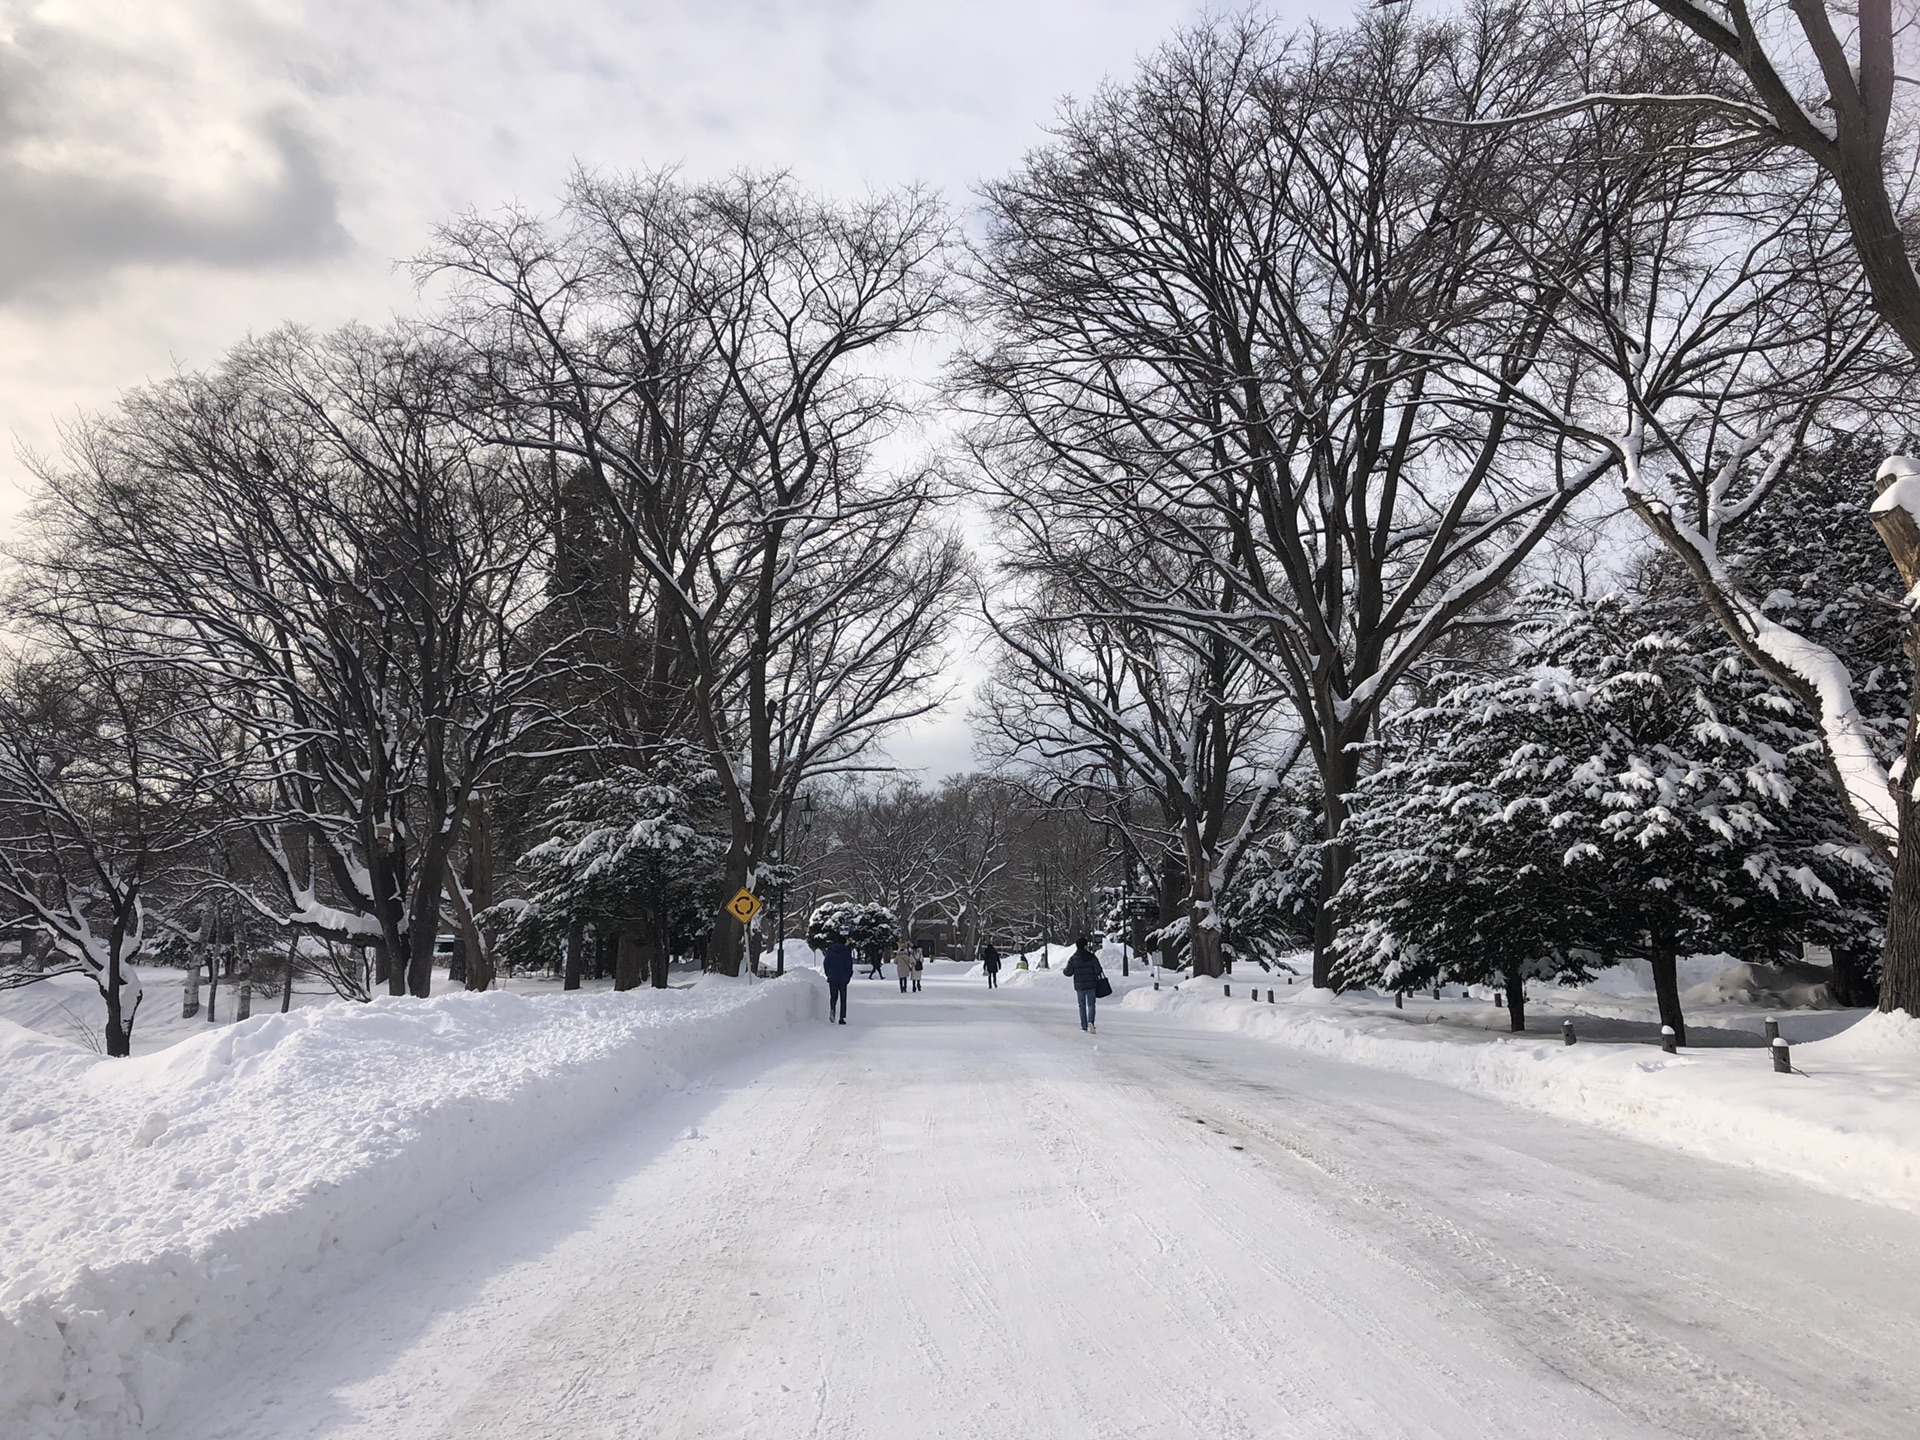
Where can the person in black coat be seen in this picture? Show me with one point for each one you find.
(1083, 968)
(837, 965)
(990, 962)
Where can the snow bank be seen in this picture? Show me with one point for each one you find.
(1847, 1120)
(151, 1207)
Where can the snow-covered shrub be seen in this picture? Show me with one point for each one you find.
(872, 930)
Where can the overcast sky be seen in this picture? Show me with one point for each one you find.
(177, 173)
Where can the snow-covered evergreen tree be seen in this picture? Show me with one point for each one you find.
(1633, 786)
(1813, 555)
(631, 853)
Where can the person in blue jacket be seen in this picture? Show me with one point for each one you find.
(838, 967)
(1083, 968)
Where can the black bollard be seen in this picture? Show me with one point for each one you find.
(1773, 1030)
(1226, 989)
(1566, 1030)
(1269, 997)
(1399, 999)
(1667, 1042)
(1782, 1058)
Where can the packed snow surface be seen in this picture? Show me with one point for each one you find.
(957, 1216)
(1846, 1119)
(152, 1209)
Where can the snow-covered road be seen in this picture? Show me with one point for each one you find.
(959, 1216)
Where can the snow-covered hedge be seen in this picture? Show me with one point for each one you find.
(151, 1207)
(1847, 1121)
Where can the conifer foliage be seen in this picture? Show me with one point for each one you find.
(634, 853)
(1630, 786)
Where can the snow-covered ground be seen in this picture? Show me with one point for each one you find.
(1847, 1118)
(69, 1007)
(686, 1214)
(152, 1210)
(958, 1216)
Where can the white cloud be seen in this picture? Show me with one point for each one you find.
(177, 173)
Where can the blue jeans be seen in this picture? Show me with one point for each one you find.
(1086, 999)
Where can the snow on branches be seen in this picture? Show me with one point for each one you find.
(1631, 786)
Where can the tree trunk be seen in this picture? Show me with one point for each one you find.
(457, 962)
(576, 943)
(1169, 907)
(631, 964)
(286, 988)
(1516, 984)
(1850, 986)
(1666, 986)
(1203, 925)
(657, 958)
(389, 868)
(481, 967)
(1900, 961)
(1203, 937)
(1339, 771)
(603, 943)
(119, 1038)
(213, 984)
(729, 935)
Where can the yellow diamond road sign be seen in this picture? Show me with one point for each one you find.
(744, 906)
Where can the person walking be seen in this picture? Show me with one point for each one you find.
(990, 962)
(902, 967)
(1083, 968)
(837, 964)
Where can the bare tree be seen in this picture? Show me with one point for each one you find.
(344, 578)
(100, 805)
(894, 852)
(709, 357)
(1115, 709)
(1255, 306)
(976, 816)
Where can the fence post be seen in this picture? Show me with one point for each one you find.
(1782, 1057)
(1566, 1031)
(1226, 989)
(1667, 1042)
(1773, 1030)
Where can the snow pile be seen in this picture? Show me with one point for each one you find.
(151, 1207)
(1847, 1120)
(1786, 986)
